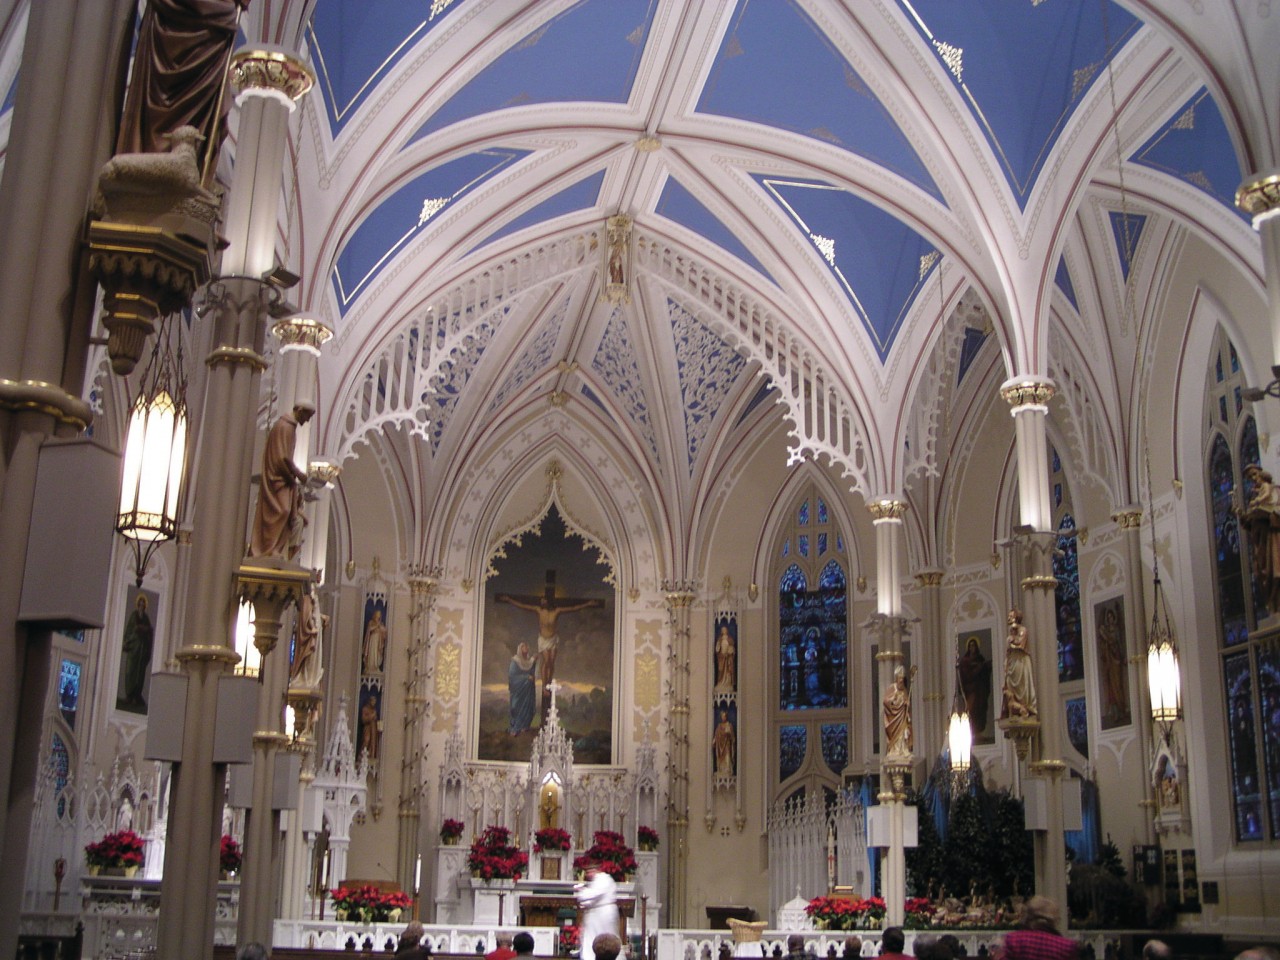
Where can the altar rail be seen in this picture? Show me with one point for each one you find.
(379, 937)
(706, 944)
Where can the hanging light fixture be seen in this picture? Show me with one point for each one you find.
(155, 451)
(959, 734)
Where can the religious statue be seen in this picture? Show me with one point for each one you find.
(369, 722)
(139, 636)
(306, 636)
(898, 738)
(1261, 521)
(179, 73)
(548, 609)
(726, 659)
(375, 643)
(617, 247)
(1019, 691)
(278, 519)
(725, 744)
(549, 807)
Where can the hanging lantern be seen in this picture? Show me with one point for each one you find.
(250, 658)
(155, 454)
(1164, 675)
(959, 736)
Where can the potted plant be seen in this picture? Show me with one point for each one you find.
(368, 904)
(846, 913)
(230, 856)
(551, 839)
(647, 838)
(119, 853)
(611, 853)
(450, 832)
(493, 857)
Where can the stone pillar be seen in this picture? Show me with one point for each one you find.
(1259, 196)
(938, 668)
(679, 598)
(239, 303)
(423, 582)
(63, 127)
(1034, 541)
(886, 515)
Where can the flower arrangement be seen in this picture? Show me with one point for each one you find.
(918, 913)
(611, 853)
(450, 831)
(230, 856)
(368, 904)
(552, 838)
(570, 939)
(647, 838)
(493, 857)
(846, 913)
(121, 849)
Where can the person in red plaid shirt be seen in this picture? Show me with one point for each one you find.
(1037, 938)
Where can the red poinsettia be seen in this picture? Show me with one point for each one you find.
(451, 829)
(552, 838)
(493, 857)
(229, 854)
(610, 853)
(647, 838)
(121, 849)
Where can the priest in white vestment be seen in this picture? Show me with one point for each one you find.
(598, 898)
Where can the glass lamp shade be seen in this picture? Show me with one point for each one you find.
(1164, 676)
(154, 458)
(250, 658)
(960, 740)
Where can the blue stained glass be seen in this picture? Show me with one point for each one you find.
(1239, 398)
(1249, 453)
(822, 510)
(1227, 554)
(803, 517)
(839, 543)
(1217, 370)
(1066, 568)
(813, 642)
(1235, 359)
(1055, 460)
(1057, 495)
(793, 580)
(1078, 724)
(1242, 740)
(786, 546)
(1269, 699)
(802, 543)
(835, 746)
(822, 544)
(1222, 408)
(69, 691)
(793, 743)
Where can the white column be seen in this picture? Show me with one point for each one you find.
(886, 515)
(1028, 399)
(1259, 196)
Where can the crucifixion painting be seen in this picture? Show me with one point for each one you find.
(548, 618)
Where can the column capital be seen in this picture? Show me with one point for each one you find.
(301, 331)
(273, 73)
(930, 577)
(886, 508)
(323, 472)
(1128, 518)
(679, 593)
(1259, 196)
(1027, 393)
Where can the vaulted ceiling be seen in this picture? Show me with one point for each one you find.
(837, 207)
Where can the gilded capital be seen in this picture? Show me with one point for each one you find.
(929, 578)
(323, 472)
(886, 509)
(1260, 196)
(271, 70)
(299, 331)
(1027, 393)
(1127, 519)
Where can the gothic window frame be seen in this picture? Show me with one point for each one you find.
(826, 543)
(1230, 428)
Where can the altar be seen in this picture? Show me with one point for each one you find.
(547, 903)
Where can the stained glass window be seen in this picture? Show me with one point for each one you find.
(835, 746)
(793, 742)
(60, 759)
(803, 544)
(822, 544)
(793, 580)
(802, 517)
(1066, 569)
(822, 511)
(814, 645)
(69, 691)
(786, 546)
(1250, 670)
(1078, 724)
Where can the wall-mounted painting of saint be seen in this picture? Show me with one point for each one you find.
(974, 669)
(1113, 663)
(548, 616)
(134, 685)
